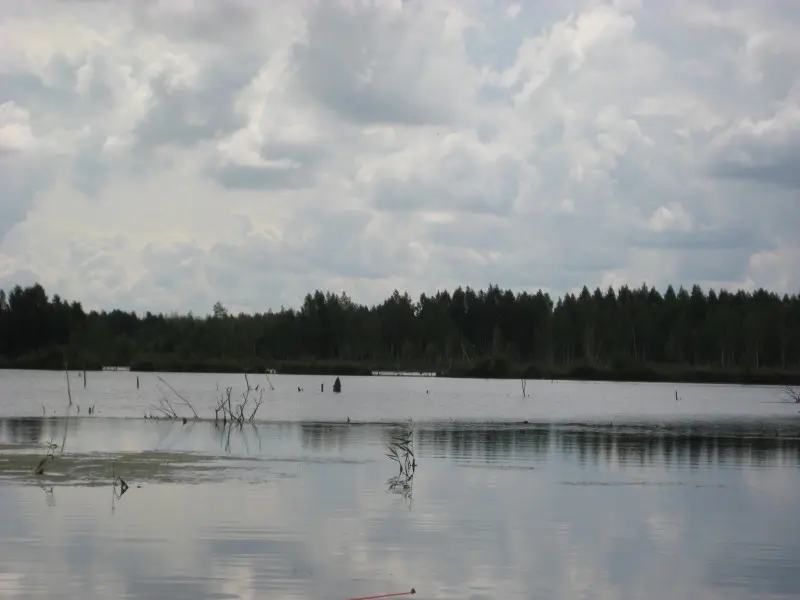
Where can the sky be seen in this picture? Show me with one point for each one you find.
(164, 155)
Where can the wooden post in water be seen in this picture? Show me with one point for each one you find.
(137, 382)
(84, 379)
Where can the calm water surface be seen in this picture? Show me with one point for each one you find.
(581, 490)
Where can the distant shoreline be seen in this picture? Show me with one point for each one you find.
(485, 369)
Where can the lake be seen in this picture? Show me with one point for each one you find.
(575, 491)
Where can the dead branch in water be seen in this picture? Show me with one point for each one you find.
(257, 403)
(51, 447)
(50, 455)
(226, 431)
(165, 408)
(237, 414)
(66, 427)
(116, 482)
(66, 374)
(183, 399)
(66, 415)
(791, 395)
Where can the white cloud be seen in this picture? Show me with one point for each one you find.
(672, 217)
(163, 155)
(15, 129)
(513, 10)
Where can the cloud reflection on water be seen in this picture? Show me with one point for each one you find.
(498, 512)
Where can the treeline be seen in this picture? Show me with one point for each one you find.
(635, 334)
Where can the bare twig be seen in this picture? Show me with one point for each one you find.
(272, 387)
(226, 410)
(69, 398)
(165, 409)
(116, 482)
(49, 455)
(791, 395)
(66, 427)
(66, 374)
(183, 399)
(258, 403)
(524, 384)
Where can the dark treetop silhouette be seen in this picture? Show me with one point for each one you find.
(636, 334)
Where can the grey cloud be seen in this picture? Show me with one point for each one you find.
(20, 181)
(475, 232)
(101, 266)
(256, 271)
(187, 115)
(489, 94)
(90, 174)
(649, 176)
(558, 251)
(318, 246)
(555, 251)
(766, 151)
(581, 257)
(499, 52)
(166, 265)
(21, 277)
(301, 172)
(224, 22)
(460, 182)
(400, 195)
(255, 253)
(782, 172)
(52, 97)
(350, 63)
(342, 247)
(714, 239)
(256, 274)
(517, 273)
(542, 249)
(720, 265)
(771, 160)
(717, 255)
(587, 264)
(174, 281)
(742, 56)
(28, 89)
(92, 169)
(264, 178)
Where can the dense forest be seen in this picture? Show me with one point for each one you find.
(634, 334)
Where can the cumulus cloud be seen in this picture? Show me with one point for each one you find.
(165, 155)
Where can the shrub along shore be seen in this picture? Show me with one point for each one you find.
(482, 369)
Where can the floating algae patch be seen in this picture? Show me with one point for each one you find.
(97, 469)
